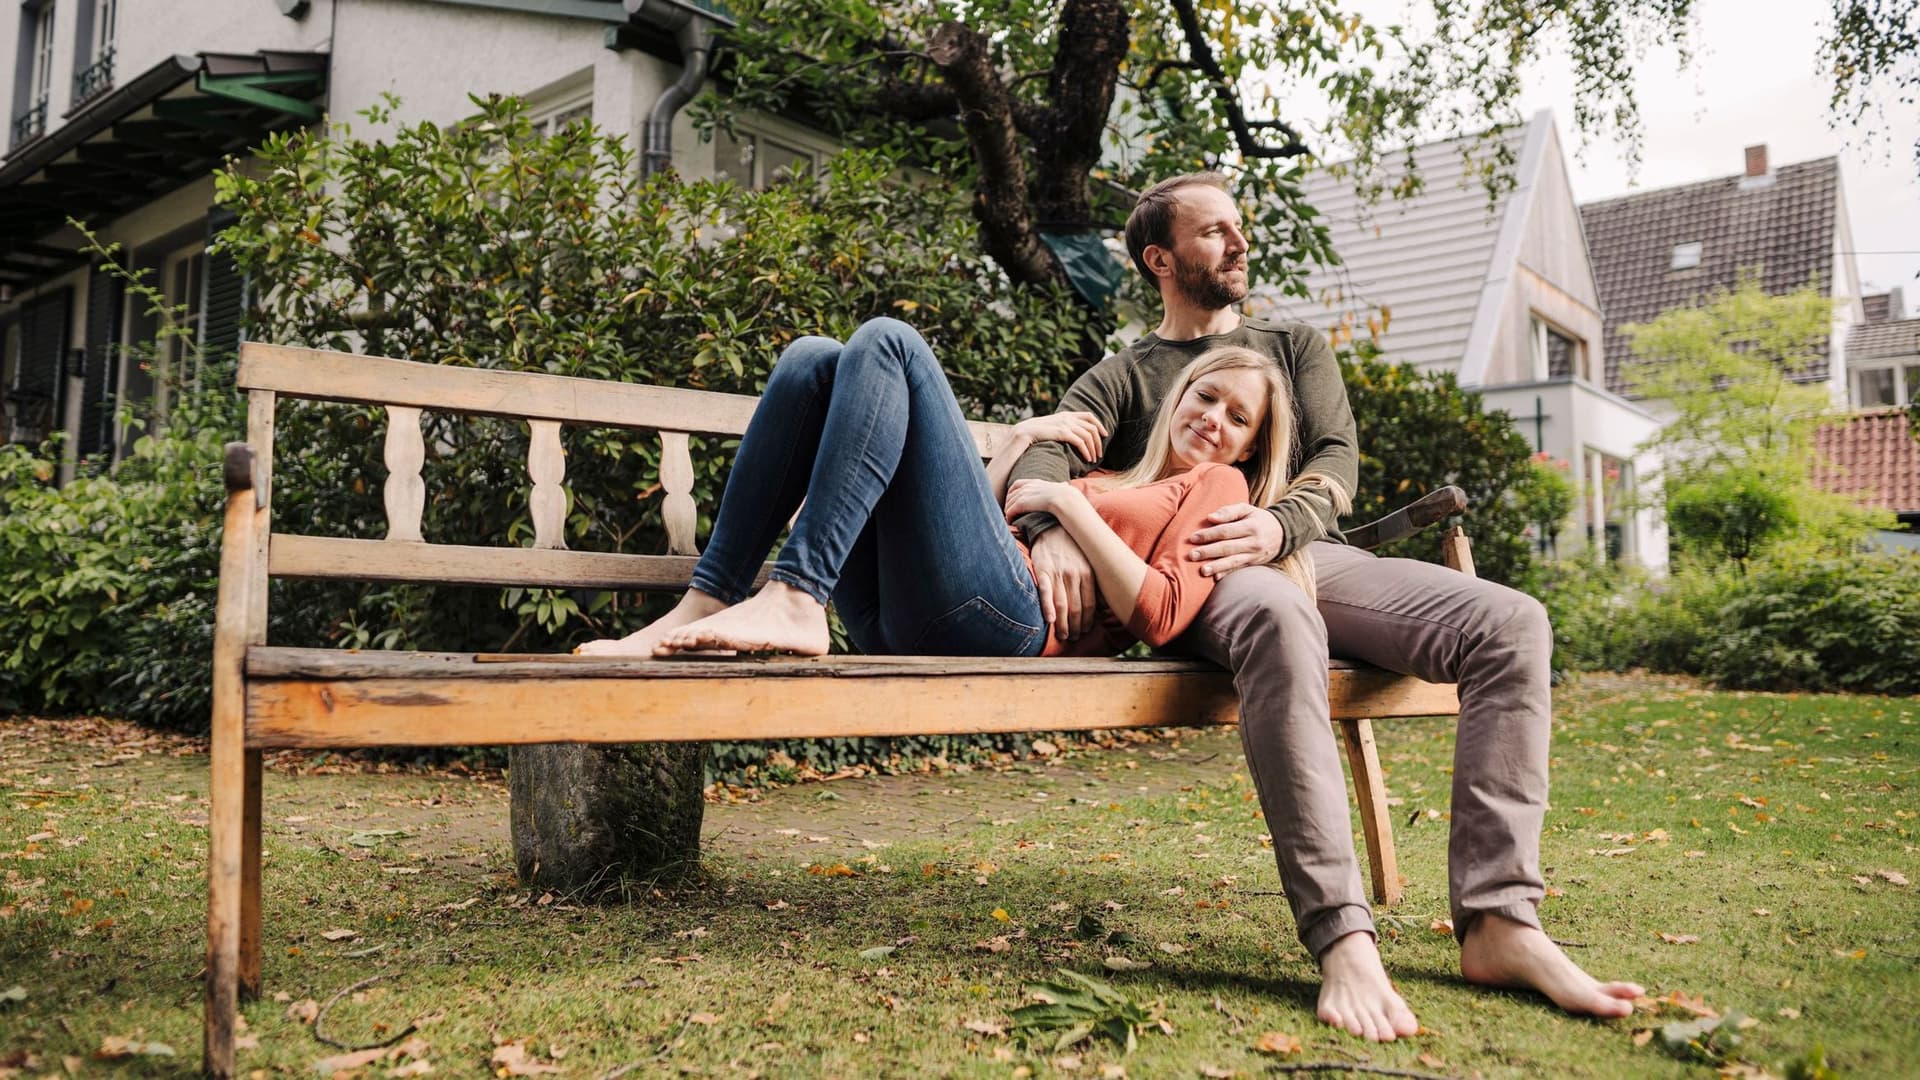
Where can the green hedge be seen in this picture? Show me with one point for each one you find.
(1844, 624)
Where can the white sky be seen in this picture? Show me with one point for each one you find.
(1753, 79)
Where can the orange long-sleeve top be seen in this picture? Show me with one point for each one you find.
(1155, 522)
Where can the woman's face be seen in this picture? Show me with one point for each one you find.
(1217, 419)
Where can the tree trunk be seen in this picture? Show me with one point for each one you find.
(588, 819)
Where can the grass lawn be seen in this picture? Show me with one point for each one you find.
(1741, 851)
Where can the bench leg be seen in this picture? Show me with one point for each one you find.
(225, 842)
(1370, 791)
(250, 881)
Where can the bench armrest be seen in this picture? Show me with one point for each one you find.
(1409, 519)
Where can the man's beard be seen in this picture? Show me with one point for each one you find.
(1207, 287)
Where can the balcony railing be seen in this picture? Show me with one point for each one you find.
(95, 78)
(31, 124)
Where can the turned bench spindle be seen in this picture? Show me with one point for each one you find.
(547, 465)
(676, 479)
(405, 493)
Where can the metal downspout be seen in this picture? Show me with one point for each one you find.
(692, 29)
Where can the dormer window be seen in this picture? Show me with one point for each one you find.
(1685, 256)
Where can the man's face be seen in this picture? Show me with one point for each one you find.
(1209, 251)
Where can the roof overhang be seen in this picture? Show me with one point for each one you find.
(163, 129)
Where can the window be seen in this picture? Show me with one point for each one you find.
(93, 68)
(756, 159)
(555, 119)
(1889, 384)
(1685, 256)
(31, 121)
(1556, 354)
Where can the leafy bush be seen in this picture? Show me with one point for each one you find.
(111, 579)
(1841, 623)
(1616, 618)
(1846, 624)
(1729, 515)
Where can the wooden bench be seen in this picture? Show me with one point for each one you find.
(266, 697)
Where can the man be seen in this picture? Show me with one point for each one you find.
(1400, 614)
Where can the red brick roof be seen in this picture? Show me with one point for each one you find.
(1782, 230)
(1873, 456)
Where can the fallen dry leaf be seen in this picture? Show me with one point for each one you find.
(1788, 1012)
(1214, 1072)
(993, 944)
(704, 1019)
(1432, 1061)
(351, 1060)
(1171, 948)
(1643, 1037)
(985, 1027)
(1441, 926)
(1893, 876)
(512, 1057)
(1067, 1062)
(339, 935)
(116, 1047)
(1277, 1042)
(303, 1011)
(1680, 939)
(1121, 963)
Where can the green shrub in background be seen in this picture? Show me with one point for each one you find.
(1843, 624)
(111, 579)
(1839, 623)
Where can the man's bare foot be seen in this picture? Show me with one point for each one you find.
(779, 618)
(1356, 995)
(1501, 952)
(694, 605)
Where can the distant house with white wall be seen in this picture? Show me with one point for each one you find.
(118, 112)
(1502, 294)
(1657, 250)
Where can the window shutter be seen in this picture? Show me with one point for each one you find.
(36, 397)
(98, 399)
(225, 301)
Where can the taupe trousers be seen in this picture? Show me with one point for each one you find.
(1411, 617)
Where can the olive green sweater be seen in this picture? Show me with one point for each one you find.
(1125, 390)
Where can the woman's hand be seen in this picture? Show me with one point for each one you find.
(1041, 496)
(1079, 430)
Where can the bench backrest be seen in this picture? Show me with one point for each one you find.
(406, 388)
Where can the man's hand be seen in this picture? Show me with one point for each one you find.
(1065, 579)
(1238, 535)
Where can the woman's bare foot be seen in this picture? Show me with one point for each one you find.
(779, 618)
(1355, 993)
(694, 605)
(1501, 952)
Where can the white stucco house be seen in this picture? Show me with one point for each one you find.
(118, 113)
(1501, 293)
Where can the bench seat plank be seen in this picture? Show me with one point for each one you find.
(323, 698)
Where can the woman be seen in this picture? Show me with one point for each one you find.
(901, 528)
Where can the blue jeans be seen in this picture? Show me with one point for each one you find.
(900, 529)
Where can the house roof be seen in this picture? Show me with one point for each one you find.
(1873, 456)
(1783, 231)
(1875, 341)
(1428, 257)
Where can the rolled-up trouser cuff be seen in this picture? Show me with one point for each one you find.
(1523, 913)
(787, 577)
(707, 584)
(1336, 924)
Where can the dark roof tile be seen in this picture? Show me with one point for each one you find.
(1783, 231)
(1871, 341)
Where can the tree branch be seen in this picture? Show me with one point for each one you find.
(1000, 192)
(1093, 39)
(1200, 54)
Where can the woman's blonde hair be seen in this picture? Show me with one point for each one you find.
(1273, 446)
